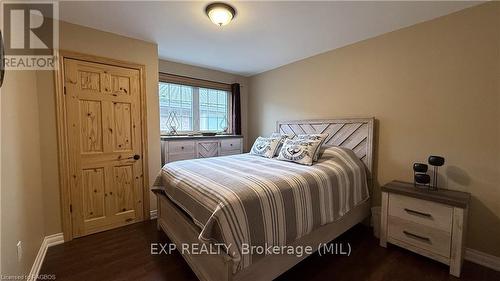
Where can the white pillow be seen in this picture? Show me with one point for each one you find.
(317, 137)
(281, 135)
(265, 147)
(282, 138)
(300, 151)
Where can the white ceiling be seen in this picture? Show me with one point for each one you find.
(263, 36)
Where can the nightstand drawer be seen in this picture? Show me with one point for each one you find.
(423, 237)
(422, 212)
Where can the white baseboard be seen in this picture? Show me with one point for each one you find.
(483, 259)
(153, 214)
(48, 241)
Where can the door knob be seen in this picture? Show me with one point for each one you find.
(135, 157)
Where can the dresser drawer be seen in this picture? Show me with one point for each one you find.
(181, 156)
(431, 239)
(230, 144)
(208, 149)
(422, 212)
(181, 147)
(230, 152)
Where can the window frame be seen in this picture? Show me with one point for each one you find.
(197, 84)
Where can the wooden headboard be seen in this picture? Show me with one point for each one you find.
(352, 133)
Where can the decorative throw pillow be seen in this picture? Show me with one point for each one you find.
(300, 151)
(317, 137)
(265, 147)
(282, 138)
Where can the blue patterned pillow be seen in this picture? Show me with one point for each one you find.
(282, 138)
(300, 151)
(318, 137)
(265, 147)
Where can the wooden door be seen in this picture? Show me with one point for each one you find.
(103, 116)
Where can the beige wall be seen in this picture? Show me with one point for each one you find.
(91, 41)
(1, 182)
(433, 87)
(212, 75)
(21, 194)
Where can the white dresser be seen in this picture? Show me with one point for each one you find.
(176, 148)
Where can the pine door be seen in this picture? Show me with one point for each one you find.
(103, 116)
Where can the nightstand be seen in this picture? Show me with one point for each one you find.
(427, 222)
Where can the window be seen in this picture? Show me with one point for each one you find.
(178, 99)
(213, 109)
(197, 109)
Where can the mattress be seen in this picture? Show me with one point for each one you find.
(249, 200)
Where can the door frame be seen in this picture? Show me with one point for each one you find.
(61, 121)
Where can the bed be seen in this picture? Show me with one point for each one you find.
(244, 200)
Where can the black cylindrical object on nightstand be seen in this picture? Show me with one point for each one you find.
(435, 161)
(420, 168)
(422, 179)
(420, 176)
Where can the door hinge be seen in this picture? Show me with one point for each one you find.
(71, 208)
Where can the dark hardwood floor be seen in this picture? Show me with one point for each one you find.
(124, 254)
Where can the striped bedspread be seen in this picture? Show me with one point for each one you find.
(259, 201)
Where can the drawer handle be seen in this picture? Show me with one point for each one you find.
(182, 147)
(413, 212)
(231, 144)
(415, 236)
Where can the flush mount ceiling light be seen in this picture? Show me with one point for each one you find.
(220, 13)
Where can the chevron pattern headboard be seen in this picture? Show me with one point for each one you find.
(352, 133)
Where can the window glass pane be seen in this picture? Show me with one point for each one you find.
(213, 109)
(179, 99)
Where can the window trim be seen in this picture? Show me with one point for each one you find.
(196, 84)
(189, 81)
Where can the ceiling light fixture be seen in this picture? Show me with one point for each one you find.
(220, 13)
